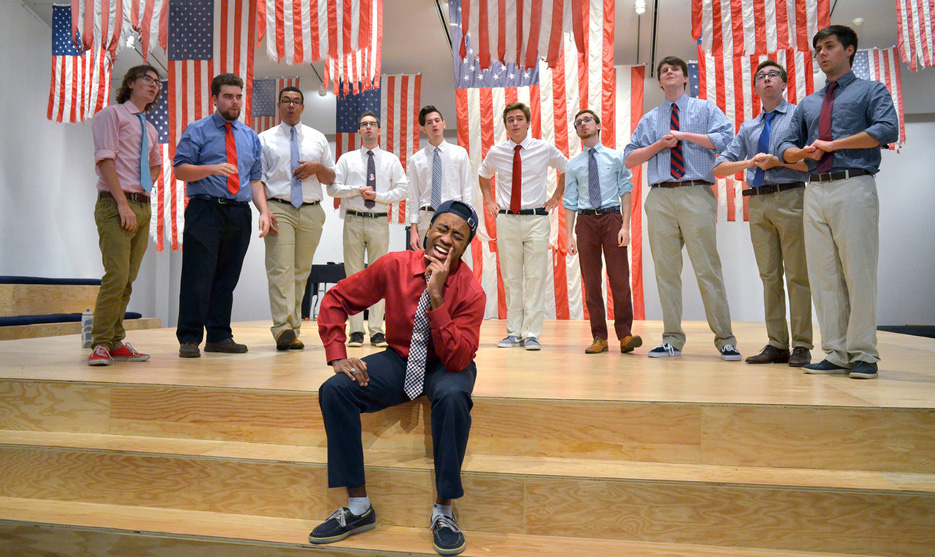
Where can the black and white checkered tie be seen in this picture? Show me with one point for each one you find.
(418, 348)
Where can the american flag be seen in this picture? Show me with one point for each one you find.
(265, 109)
(144, 17)
(883, 66)
(168, 198)
(347, 34)
(554, 97)
(521, 31)
(80, 82)
(728, 82)
(98, 23)
(916, 22)
(348, 111)
(745, 27)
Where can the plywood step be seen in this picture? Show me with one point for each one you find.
(40, 330)
(832, 438)
(31, 526)
(731, 506)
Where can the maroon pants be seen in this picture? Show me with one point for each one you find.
(597, 234)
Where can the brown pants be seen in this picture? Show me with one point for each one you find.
(597, 234)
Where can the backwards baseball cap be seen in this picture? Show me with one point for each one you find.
(461, 209)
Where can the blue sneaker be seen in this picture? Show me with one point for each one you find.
(447, 538)
(341, 524)
(532, 343)
(510, 342)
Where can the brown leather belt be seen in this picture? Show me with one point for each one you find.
(681, 184)
(138, 197)
(772, 188)
(838, 175)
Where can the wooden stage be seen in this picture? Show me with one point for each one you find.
(570, 454)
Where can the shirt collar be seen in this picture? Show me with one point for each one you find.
(681, 101)
(524, 142)
(599, 147)
(843, 81)
(286, 127)
(363, 150)
(781, 108)
(430, 149)
(131, 108)
(219, 121)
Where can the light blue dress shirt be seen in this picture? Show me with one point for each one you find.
(205, 142)
(745, 145)
(615, 179)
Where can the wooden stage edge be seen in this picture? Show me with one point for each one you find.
(560, 371)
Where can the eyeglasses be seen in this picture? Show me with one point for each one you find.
(369, 124)
(292, 102)
(583, 120)
(763, 75)
(149, 80)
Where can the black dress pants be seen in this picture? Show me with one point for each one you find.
(214, 244)
(342, 401)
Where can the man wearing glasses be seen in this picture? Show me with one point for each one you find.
(777, 190)
(367, 181)
(597, 192)
(296, 162)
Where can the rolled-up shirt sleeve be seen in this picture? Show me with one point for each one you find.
(189, 147)
(105, 128)
(557, 160)
(735, 151)
(720, 129)
(797, 134)
(882, 113)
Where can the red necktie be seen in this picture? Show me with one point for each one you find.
(516, 196)
(676, 162)
(824, 128)
(233, 180)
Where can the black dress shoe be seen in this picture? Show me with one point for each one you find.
(189, 350)
(800, 357)
(824, 367)
(863, 370)
(770, 355)
(228, 346)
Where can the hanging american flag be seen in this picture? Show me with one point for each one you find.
(916, 22)
(883, 66)
(554, 96)
(80, 82)
(98, 23)
(145, 17)
(400, 98)
(265, 109)
(347, 34)
(521, 31)
(746, 27)
(728, 83)
(168, 197)
(347, 113)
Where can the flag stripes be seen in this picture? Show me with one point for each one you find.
(400, 98)
(915, 21)
(747, 27)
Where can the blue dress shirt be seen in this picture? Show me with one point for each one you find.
(744, 145)
(204, 142)
(695, 116)
(615, 179)
(859, 105)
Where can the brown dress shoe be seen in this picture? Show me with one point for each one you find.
(189, 350)
(629, 343)
(770, 355)
(800, 357)
(285, 339)
(297, 345)
(227, 346)
(599, 345)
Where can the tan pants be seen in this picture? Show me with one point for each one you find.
(679, 217)
(289, 256)
(779, 244)
(523, 244)
(370, 235)
(842, 245)
(121, 252)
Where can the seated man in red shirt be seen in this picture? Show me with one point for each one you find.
(434, 309)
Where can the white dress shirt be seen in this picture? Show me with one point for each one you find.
(537, 156)
(276, 144)
(457, 177)
(350, 174)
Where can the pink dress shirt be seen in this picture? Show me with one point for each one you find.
(116, 130)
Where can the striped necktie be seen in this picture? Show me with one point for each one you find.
(437, 178)
(676, 162)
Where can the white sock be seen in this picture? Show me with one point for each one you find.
(441, 509)
(358, 505)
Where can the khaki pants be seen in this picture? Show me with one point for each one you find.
(371, 235)
(289, 256)
(779, 244)
(523, 244)
(121, 252)
(679, 217)
(842, 245)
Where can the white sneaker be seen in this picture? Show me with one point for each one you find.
(510, 342)
(664, 350)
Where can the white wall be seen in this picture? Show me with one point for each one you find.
(47, 187)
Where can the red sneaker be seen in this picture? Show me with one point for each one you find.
(100, 356)
(127, 353)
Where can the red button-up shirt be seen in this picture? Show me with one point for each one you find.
(399, 277)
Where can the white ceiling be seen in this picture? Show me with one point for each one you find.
(414, 40)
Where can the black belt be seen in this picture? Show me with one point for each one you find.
(218, 200)
(427, 208)
(538, 211)
(680, 184)
(290, 203)
(772, 188)
(838, 175)
(364, 214)
(604, 211)
(138, 197)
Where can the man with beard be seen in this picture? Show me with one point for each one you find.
(435, 307)
(219, 157)
(597, 192)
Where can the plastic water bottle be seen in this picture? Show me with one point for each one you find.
(87, 324)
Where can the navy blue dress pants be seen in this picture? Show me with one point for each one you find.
(342, 401)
